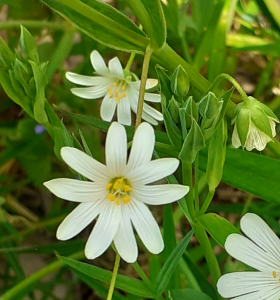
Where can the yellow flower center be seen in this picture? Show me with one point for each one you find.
(117, 91)
(119, 190)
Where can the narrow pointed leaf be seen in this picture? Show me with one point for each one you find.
(171, 264)
(103, 23)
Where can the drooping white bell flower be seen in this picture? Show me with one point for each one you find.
(117, 193)
(254, 125)
(118, 90)
(259, 250)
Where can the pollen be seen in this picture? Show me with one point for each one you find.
(115, 84)
(123, 95)
(111, 197)
(126, 199)
(119, 190)
(110, 91)
(117, 99)
(274, 274)
(127, 188)
(116, 185)
(108, 186)
(123, 88)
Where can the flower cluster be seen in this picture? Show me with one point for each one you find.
(118, 90)
(117, 193)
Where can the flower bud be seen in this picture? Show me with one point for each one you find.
(209, 106)
(254, 125)
(180, 83)
(173, 108)
(191, 111)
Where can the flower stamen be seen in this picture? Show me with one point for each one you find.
(274, 274)
(119, 190)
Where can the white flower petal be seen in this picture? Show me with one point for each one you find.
(261, 234)
(133, 97)
(152, 97)
(124, 239)
(153, 171)
(235, 140)
(150, 83)
(249, 285)
(98, 63)
(152, 112)
(87, 80)
(249, 253)
(104, 230)
(84, 164)
(146, 226)
(107, 109)
(116, 149)
(93, 92)
(160, 194)
(149, 119)
(142, 146)
(115, 68)
(75, 190)
(272, 126)
(124, 112)
(78, 219)
(256, 138)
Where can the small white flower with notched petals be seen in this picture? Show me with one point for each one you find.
(254, 125)
(118, 90)
(117, 193)
(259, 250)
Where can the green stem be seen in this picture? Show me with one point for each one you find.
(207, 202)
(24, 285)
(185, 49)
(144, 75)
(187, 180)
(34, 24)
(114, 277)
(196, 179)
(234, 83)
(247, 204)
(208, 253)
(130, 61)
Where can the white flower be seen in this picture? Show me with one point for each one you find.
(117, 89)
(260, 250)
(254, 125)
(117, 193)
(255, 138)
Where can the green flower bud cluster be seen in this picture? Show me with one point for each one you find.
(188, 124)
(254, 125)
(24, 78)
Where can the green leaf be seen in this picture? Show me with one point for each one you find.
(216, 156)
(188, 294)
(250, 172)
(103, 23)
(130, 285)
(165, 88)
(40, 81)
(28, 45)
(219, 228)
(173, 131)
(169, 238)
(171, 264)
(150, 15)
(193, 143)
